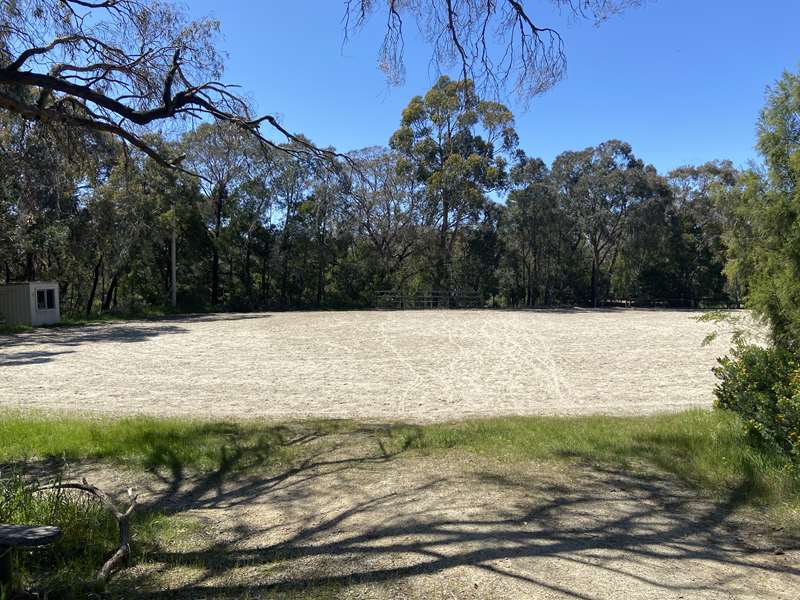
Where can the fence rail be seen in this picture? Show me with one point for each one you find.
(392, 299)
(430, 299)
(705, 302)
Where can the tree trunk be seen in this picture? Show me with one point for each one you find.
(109, 295)
(595, 282)
(248, 279)
(173, 242)
(320, 271)
(95, 280)
(215, 246)
(264, 282)
(30, 266)
(441, 267)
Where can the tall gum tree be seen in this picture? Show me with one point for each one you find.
(600, 186)
(454, 143)
(223, 157)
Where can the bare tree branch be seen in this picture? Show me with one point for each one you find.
(125, 67)
(122, 517)
(529, 58)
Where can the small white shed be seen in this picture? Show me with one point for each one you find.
(29, 303)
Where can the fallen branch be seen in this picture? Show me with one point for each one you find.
(122, 518)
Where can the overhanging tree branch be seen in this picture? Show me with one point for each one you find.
(124, 67)
(495, 43)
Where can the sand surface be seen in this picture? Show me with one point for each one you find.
(412, 365)
(356, 522)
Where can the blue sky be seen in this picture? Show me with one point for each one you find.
(681, 80)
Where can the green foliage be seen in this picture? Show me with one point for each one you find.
(763, 213)
(539, 263)
(441, 209)
(762, 239)
(454, 143)
(67, 568)
(763, 386)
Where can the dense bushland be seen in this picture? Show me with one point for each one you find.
(451, 204)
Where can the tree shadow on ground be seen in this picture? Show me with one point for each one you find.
(135, 330)
(86, 334)
(369, 517)
(18, 359)
(214, 317)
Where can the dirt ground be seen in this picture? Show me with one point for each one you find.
(413, 365)
(357, 521)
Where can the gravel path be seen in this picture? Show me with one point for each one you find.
(355, 522)
(414, 365)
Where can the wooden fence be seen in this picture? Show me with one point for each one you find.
(705, 302)
(391, 299)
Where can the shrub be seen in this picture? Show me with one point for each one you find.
(762, 385)
(67, 568)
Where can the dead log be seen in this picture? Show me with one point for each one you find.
(123, 522)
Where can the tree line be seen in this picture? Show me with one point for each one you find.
(450, 204)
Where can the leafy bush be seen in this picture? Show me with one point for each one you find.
(762, 385)
(67, 568)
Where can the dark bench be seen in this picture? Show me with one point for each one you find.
(22, 536)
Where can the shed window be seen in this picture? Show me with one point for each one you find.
(45, 299)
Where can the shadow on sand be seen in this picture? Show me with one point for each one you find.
(70, 336)
(352, 513)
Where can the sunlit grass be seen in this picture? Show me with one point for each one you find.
(707, 449)
(151, 442)
(6, 329)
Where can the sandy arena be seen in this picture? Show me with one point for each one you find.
(411, 366)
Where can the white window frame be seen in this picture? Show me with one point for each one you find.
(48, 294)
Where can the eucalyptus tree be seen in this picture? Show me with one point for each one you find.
(697, 252)
(122, 67)
(541, 238)
(386, 205)
(40, 192)
(600, 186)
(323, 215)
(223, 157)
(127, 66)
(454, 143)
(497, 44)
(290, 186)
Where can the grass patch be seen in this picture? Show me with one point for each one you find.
(6, 329)
(155, 443)
(67, 568)
(707, 449)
